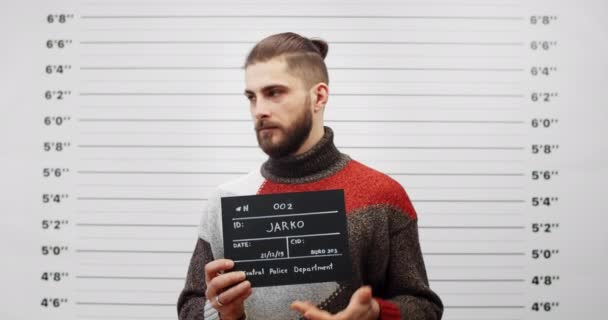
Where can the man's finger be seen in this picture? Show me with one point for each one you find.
(224, 281)
(310, 311)
(362, 296)
(242, 298)
(235, 293)
(301, 306)
(216, 266)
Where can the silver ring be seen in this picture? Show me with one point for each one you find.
(217, 299)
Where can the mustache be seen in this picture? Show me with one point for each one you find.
(264, 124)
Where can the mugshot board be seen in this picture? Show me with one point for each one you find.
(121, 117)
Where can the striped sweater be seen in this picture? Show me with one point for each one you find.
(382, 230)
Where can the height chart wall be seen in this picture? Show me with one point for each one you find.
(119, 117)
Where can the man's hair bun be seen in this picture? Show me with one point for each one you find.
(322, 46)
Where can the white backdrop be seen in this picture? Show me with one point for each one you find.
(120, 116)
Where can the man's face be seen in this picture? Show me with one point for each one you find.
(280, 106)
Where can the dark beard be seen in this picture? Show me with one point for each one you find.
(294, 136)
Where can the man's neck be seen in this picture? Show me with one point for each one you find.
(320, 160)
(316, 134)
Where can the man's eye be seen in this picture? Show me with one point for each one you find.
(273, 93)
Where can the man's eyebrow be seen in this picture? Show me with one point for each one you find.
(266, 88)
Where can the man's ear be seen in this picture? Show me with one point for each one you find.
(320, 93)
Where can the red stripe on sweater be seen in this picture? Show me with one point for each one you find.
(363, 186)
(388, 310)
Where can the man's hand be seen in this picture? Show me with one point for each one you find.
(361, 306)
(226, 291)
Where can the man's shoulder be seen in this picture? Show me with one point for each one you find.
(371, 177)
(370, 186)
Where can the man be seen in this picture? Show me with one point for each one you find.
(287, 87)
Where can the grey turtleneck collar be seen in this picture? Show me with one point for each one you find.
(322, 160)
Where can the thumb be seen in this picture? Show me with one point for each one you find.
(363, 295)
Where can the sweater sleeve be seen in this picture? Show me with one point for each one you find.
(407, 293)
(192, 303)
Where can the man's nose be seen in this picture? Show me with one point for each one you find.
(261, 109)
